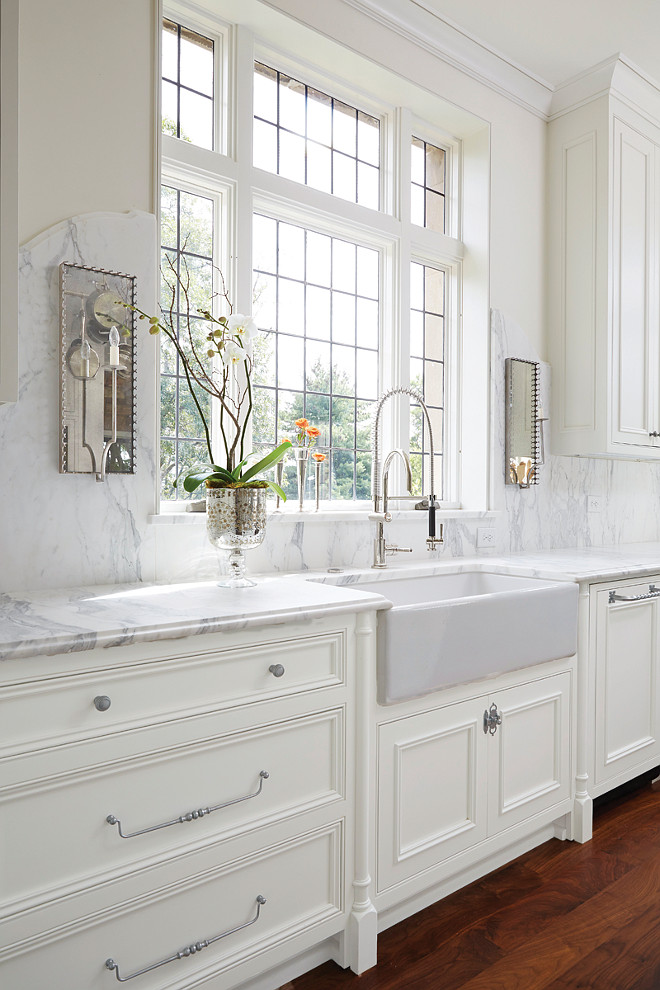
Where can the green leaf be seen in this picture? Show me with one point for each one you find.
(223, 472)
(277, 490)
(236, 473)
(195, 478)
(267, 461)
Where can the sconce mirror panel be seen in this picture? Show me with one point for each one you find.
(522, 422)
(97, 374)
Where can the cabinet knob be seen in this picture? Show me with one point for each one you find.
(654, 433)
(276, 669)
(102, 702)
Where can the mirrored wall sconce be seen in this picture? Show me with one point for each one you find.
(524, 443)
(97, 372)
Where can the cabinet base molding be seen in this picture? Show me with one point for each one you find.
(402, 909)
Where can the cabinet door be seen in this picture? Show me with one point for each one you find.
(431, 789)
(529, 753)
(635, 332)
(627, 700)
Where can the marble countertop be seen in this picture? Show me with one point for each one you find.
(69, 620)
(78, 619)
(582, 564)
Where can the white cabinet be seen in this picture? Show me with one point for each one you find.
(604, 299)
(9, 201)
(449, 779)
(627, 683)
(214, 796)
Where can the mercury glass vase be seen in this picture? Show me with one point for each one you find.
(302, 459)
(236, 521)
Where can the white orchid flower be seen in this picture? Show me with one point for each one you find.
(243, 326)
(232, 353)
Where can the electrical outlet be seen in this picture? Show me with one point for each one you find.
(595, 503)
(486, 537)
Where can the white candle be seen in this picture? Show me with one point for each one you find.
(114, 347)
(85, 351)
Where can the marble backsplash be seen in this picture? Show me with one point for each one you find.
(59, 530)
(65, 530)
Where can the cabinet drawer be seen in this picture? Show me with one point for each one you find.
(58, 826)
(62, 709)
(301, 882)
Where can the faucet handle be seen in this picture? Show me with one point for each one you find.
(380, 517)
(391, 548)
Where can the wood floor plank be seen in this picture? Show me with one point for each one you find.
(564, 916)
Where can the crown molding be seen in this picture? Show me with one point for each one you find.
(460, 50)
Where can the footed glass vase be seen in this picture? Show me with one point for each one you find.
(302, 459)
(236, 521)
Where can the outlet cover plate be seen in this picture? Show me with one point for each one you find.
(486, 537)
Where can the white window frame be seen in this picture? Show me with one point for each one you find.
(243, 189)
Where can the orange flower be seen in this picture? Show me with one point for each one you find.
(313, 431)
(318, 457)
(302, 424)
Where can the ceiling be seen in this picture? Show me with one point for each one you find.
(555, 41)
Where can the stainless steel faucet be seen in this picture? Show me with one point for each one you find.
(380, 482)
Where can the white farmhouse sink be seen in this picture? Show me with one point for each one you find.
(445, 629)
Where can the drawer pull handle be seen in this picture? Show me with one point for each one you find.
(276, 669)
(190, 816)
(189, 950)
(102, 702)
(653, 592)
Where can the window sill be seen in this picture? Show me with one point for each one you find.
(179, 516)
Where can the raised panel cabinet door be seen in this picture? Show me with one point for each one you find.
(634, 310)
(627, 700)
(431, 789)
(529, 752)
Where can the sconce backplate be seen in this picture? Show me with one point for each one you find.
(91, 303)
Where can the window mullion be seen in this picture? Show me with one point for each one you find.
(239, 244)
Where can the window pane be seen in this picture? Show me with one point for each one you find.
(264, 152)
(170, 51)
(196, 62)
(196, 122)
(316, 377)
(368, 139)
(427, 368)
(187, 227)
(187, 86)
(367, 323)
(319, 117)
(317, 312)
(343, 318)
(291, 251)
(343, 265)
(265, 92)
(292, 156)
(292, 104)
(319, 167)
(319, 255)
(344, 128)
(322, 142)
(290, 362)
(427, 191)
(264, 243)
(169, 108)
(344, 176)
(196, 224)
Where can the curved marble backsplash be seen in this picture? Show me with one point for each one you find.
(59, 530)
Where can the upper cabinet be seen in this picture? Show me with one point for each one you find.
(9, 201)
(604, 298)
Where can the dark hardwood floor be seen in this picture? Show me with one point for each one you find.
(562, 917)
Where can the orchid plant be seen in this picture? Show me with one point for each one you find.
(221, 366)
